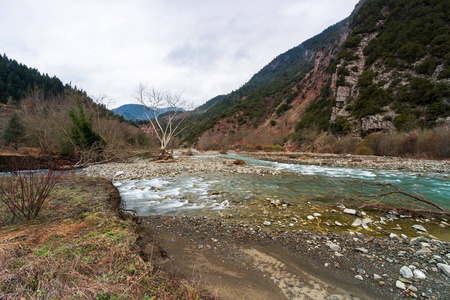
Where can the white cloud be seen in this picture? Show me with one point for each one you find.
(201, 47)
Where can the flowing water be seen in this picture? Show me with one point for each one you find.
(307, 188)
(203, 193)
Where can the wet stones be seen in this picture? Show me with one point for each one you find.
(349, 211)
(419, 228)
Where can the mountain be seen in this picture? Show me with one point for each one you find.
(139, 112)
(385, 68)
(203, 108)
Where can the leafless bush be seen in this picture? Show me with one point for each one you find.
(434, 143)
(408, 145)
(347, 145)
(45, 120)
(24, 192)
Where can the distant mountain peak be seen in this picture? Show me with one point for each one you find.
(139, 112)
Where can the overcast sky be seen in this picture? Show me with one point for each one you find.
(202, 48)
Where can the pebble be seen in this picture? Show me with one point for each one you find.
(357, 223)
(363, 250)
(337, 223)
(400, 285)
(412, 288)
(266, 223)
(350, 211)
(406, 272)
(334, 247)
(376, 277)
(359, 277)
(418, 274)
(419, 228)
(310, 217)
(445, 268)
(419, 239)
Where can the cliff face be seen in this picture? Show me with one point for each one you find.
(380, 84)
(270, 105)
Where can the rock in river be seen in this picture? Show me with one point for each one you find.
(419, 228)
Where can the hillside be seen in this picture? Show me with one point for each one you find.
(383, 69)
(39, 116)
(16, 80)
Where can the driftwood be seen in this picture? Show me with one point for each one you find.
(395, 190)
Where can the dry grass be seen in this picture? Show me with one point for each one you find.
(79, 249)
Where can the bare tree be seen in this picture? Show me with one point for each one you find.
(165, 113)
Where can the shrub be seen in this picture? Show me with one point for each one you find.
(374, 142)
(278, 148)
(283, 107)
(273, 123)
(25, 193)
(340, 126)
(258, 147)
(434, 143)
(408, 145)
(364, 151)
(349, 144)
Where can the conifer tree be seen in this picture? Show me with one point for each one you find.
(82, 134)
(14, 131)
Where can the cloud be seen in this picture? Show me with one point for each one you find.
(201, 47)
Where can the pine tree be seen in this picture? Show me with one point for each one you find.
(14, 131)
(82, 134)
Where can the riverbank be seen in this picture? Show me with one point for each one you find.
(239, 260)
(271, 259)
(79, 248)
(354, 161)
(207, 162)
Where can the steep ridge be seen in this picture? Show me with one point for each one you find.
(384, 68)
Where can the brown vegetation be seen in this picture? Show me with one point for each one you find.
(239, 162)
(78, 248)
(48, 127)
(432, 143)
(25, 193)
